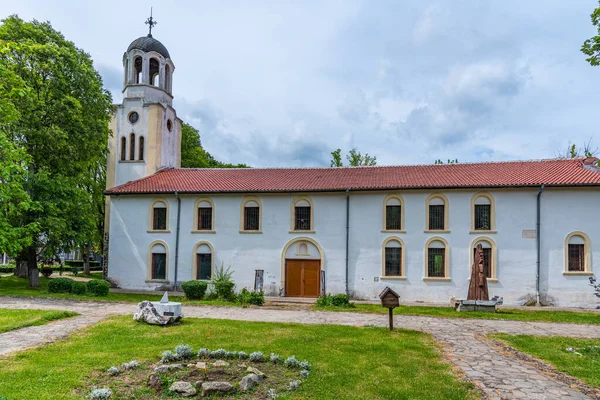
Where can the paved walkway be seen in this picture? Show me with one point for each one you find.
(498, 374)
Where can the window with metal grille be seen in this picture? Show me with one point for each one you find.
(487, 261)
(302, 219)
(123, 149)
(251, 218)
(393, 215)
(204, 218)
(576, 257)
(482, 216)
(204, 263)
(393, 257)
(435, 263)
(159, 222)
(132, 147)
(159, 266)
(436, 217)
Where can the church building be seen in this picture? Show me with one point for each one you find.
(302, 232)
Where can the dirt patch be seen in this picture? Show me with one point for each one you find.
(144, 382)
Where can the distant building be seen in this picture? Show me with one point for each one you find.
(308, 231)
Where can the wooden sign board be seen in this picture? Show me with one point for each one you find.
(389, 298)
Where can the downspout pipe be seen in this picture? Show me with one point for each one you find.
(177, 238)
(539, 246)
(347, 237)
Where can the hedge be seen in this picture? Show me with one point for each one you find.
(79, 288)
(60, 285)
(79, 263)
(98, 287)
(194, 290)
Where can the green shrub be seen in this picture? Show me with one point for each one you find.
(60, 285)
(337, 300)
(6, 269)
(79, 263)
(79, 288)
(223, 284)
(194, 290)
(247, 297)
(47, 271)
(98, 287)
(75, 271)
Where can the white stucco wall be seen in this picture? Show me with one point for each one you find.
(563, 211)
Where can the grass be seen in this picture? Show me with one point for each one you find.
(15, 319)
(91, 275)
(347, 362)
(502, 314)
(13, 286)
(552, 349)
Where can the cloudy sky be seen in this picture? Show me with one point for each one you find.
(283, 83)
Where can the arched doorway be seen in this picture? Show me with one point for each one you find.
(302, 268)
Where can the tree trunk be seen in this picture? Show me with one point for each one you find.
(34, 273)
(86, 259)
(21, 266)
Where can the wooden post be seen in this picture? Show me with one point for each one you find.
(391, 310)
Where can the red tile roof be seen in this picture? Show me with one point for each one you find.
(558, 172)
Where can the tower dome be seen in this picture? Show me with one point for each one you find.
(147, 44)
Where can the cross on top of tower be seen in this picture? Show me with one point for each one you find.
(151, 22)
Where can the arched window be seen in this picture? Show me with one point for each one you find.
(204, 215)
(159, 215)
(483, 216)
(437, 213)
(158, 260)
(123, 148)
(250, 218)
(141, 149)
(154, 72)
(490, 256)
(393, 213)
(393, 258)
(437, 259)
(167, 78)
(132, 146)
(578, 256)
(203, 262)
(137, 66)
(302, 214)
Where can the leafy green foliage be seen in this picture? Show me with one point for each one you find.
(194, 290)
(334, 300)
(98, 287)
(223, 284)
(354, 157)
(591, 47)
(60, 285)
(193, 154)
(246, 297)
(79, 288)
(47, 271)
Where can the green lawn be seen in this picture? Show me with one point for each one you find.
(13, 286)
(347, 362)
(503, 314)
(585, 366)
(15, 319)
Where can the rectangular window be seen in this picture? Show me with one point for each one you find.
(251, 218)
(204, 263)
(487, 261)
(393, 215)
(435, 263)
(160, 219)
(576, 257)
(302, 219)
(204, 218)
(436, 217)
(159, 266)
(393, 257)
(483, 217)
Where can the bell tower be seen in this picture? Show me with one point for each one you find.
(146, 130)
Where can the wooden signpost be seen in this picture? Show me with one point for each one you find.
(389, 300)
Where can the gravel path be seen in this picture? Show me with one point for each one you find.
(499, 374)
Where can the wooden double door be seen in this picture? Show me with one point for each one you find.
(302, 278)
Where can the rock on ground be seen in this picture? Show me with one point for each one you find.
(255, 371)
(249, 381)
(148, 314)
(186, 389)
(216, 387)
(221, 363)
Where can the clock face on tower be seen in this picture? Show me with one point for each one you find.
(134, 117)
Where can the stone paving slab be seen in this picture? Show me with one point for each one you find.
(498, 375)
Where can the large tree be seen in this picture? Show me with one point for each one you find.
(354, 157)
(591, 47)
(62, 125)
(193, 154)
